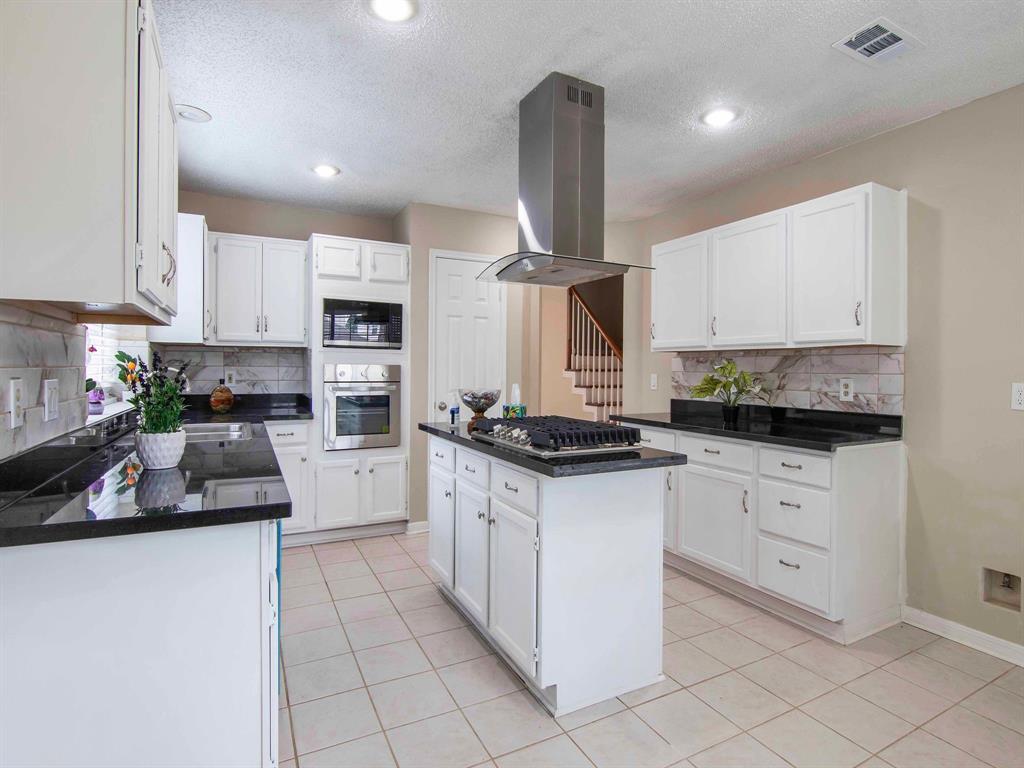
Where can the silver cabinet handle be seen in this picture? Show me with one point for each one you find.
(266, 326)
(652, 330)
(714, 325)
(668, 480)
(165, 278)
(856, 312)
(792, 466)
(479, 515)
(746, 509)
(789, 504)
(470, 469)
(646, 440)
(511, 487)
(447, 494)
(491, 520)
(712, 451)
(285, 434)
(257, 323)
(789, 565)
(438, 455)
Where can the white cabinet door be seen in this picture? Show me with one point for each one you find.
(209, 295)
(239, 291)
(337, 493)
(294, 463)
(385, 483)
(828, 269)
(339, 258)
(193, 322)
(441, 518)
(669, 508)
(679, 294)
(284, 293)
(513, 589)
(168, 198)
(471, 549)
(383, 263)
(748, 282)
(153, 258)
(714, 516)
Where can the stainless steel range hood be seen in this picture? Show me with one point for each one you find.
(561, 188)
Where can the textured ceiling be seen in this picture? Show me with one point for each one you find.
(426, 111)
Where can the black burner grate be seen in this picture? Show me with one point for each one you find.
(555, 432)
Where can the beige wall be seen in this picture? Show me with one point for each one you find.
(242, 216)
(556, 393)
(964, 172)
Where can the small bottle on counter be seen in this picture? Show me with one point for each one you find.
(221, 398)
(453, 412)
(514, 409)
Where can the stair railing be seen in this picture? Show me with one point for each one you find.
(591, 352)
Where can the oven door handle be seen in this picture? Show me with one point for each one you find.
(349, 389)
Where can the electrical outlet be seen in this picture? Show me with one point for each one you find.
(1017, 396)
(230, 376)
(654, 381)
(51, 399)
(17, 403)
(846, 390)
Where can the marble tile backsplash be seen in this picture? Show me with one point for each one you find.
(34, 348)
(809, 378)
(263, 370)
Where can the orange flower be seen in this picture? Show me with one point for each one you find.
(131, 366)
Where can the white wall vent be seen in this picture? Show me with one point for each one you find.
(877, 42)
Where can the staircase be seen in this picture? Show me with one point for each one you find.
(592, 360)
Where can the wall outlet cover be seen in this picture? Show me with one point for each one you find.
(1017, 396)
(17, 402)
(230, 376)
(51, 399)
(846, 390)
(654, 381)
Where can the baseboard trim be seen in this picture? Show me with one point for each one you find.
(420, 526)
(973, 638)
(342, 534)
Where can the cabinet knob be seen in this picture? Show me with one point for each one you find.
(447, 494)
(303, 459)
(356, 472)
(491, 520)
(479, 515)
(370, 470)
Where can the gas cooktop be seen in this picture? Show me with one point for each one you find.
(556, 435)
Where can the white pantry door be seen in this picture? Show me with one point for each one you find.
(468, 333)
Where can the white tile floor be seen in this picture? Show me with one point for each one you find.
(379, 671)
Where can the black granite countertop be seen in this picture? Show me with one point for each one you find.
(254, 409)
(90, 484)
(570, 466)
(793, 427)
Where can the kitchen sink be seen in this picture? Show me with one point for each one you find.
(215, 432)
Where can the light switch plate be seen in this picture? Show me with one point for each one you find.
(846, 390)
(654, 381)
(17, 403)
(1017, 396)
(230, 376)
(51, 399)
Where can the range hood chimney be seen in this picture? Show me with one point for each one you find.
(561, 188)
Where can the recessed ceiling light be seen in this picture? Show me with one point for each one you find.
(393, 10)
(326, 171)
(192, 114)
(719, 118)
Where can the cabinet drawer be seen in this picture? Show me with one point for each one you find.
(715, 453)
(794, 512)
(802, 467)
(652, 438)
(793, 572)
(442, 454)
(473, 467)
(285, 433)
(515, 488)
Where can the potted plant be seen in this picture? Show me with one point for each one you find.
(96, 396)
(730, 385)
(157, 395)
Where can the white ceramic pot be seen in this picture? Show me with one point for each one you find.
(160, 450)
(160, 488)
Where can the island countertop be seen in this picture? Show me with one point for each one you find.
(568, 466)
(64, 490)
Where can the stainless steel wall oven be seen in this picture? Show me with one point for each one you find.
(362, 406)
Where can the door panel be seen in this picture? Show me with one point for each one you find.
(513, 587)
(148, 233)
(284, 292)
(385, 263)
(469, 341)
(748, 282)
(679, 294)
(239, 275)
(441, 517)
(471, 549)
(714, 515)
(295, 470)
(337, 493)
(168, 215)
(339, 259)
(386, 478)
(828, 269)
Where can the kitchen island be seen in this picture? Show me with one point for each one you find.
(555, 560)
(138, 608)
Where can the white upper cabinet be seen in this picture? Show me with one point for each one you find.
(679, 297)
(748, 282)
(89, 159)
(385, 263)
(191, 323)
(831, 271)
(339, 258)
(284, 292)
(259, 291)
(362, 261)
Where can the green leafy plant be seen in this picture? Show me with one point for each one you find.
(729, 384)
(157, 394)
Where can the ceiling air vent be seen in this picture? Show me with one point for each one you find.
(879, 41)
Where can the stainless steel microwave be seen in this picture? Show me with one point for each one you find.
(360, 323)
(362, 406)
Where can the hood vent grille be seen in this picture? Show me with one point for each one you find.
(879, 41)
(581, 96)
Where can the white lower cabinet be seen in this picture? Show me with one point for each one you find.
(337, 493)
(294, 463)
(360, 491)
(384, 489)
(441, 519)
(513, 577)
(714, 511)
(472, 527)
